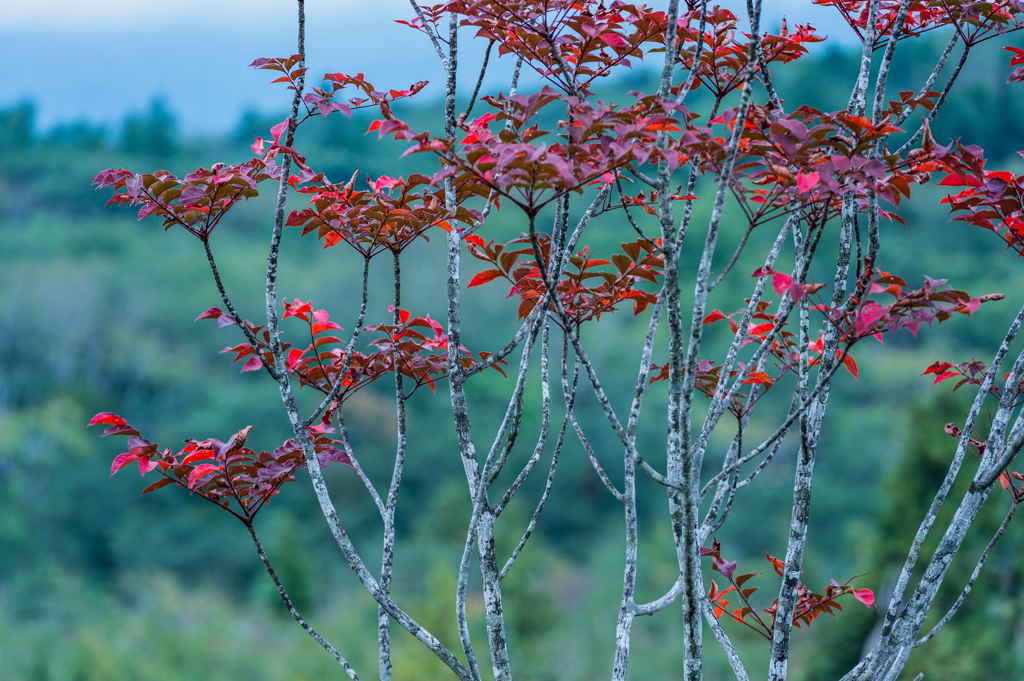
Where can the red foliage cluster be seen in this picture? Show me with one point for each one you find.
(809, 606)
(582, 301)
(227, 474)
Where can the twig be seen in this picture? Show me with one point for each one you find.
(295, 613)
(234, 315)
(570, 398)
(480, 80)
(433, 37)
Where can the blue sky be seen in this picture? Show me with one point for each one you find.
(99, 60)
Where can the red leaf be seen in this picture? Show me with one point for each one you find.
(484, 277)
(937, 368)
(759, 377)
(162, 482)
(212, 313)
(108, 417)
(666, 125)
(279, 130)
(384, 182)
(119, 430)
(806, 181)
(201, 455)
(614, 40)
(715, 316)
(200, 471)
(782, 283)
(320, 327)
(850, 365)
(865, 596)
(122, 460)
(145, 465)
(252, 364)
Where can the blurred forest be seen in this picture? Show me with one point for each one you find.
(96, 315)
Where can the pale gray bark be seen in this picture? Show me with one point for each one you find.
(231, 310)
(683, 460)
(783, 625)
(932, 77)
(951, 475)
(860, 88)
(685, 454)
(766, 76)
(388, 552)
(723, 640)
(449, 68)
(970, 583)
(724, 393)
(901, 625)
(299, 425)
(627, 609)
(883, 68)
(698, 51)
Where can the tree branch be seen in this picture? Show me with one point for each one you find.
(970, 583)
(480, 80)
(234, 315)
(291, 608)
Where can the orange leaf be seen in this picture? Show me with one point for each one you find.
(850, 365)
(484, 277)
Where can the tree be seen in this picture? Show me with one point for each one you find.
(796, 172)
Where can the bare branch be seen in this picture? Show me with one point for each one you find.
(570, 398)
(608, 484)
(762, 63)
(735, 256)
(947, 483)
(343, 434)
(698, 51)
(661, 603)
(388, 551)
(926, 88)
(857, 97)
(480, 80)
(234, 315)
(938, 102)
(723, 640)
(295, 613)
(970, 583)
(883, 68)
(448, 68)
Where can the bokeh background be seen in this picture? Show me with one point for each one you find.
(96, 315)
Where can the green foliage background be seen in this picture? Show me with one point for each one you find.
(96, 315)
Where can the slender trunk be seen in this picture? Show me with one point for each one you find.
(490, 575)
(388, 552)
